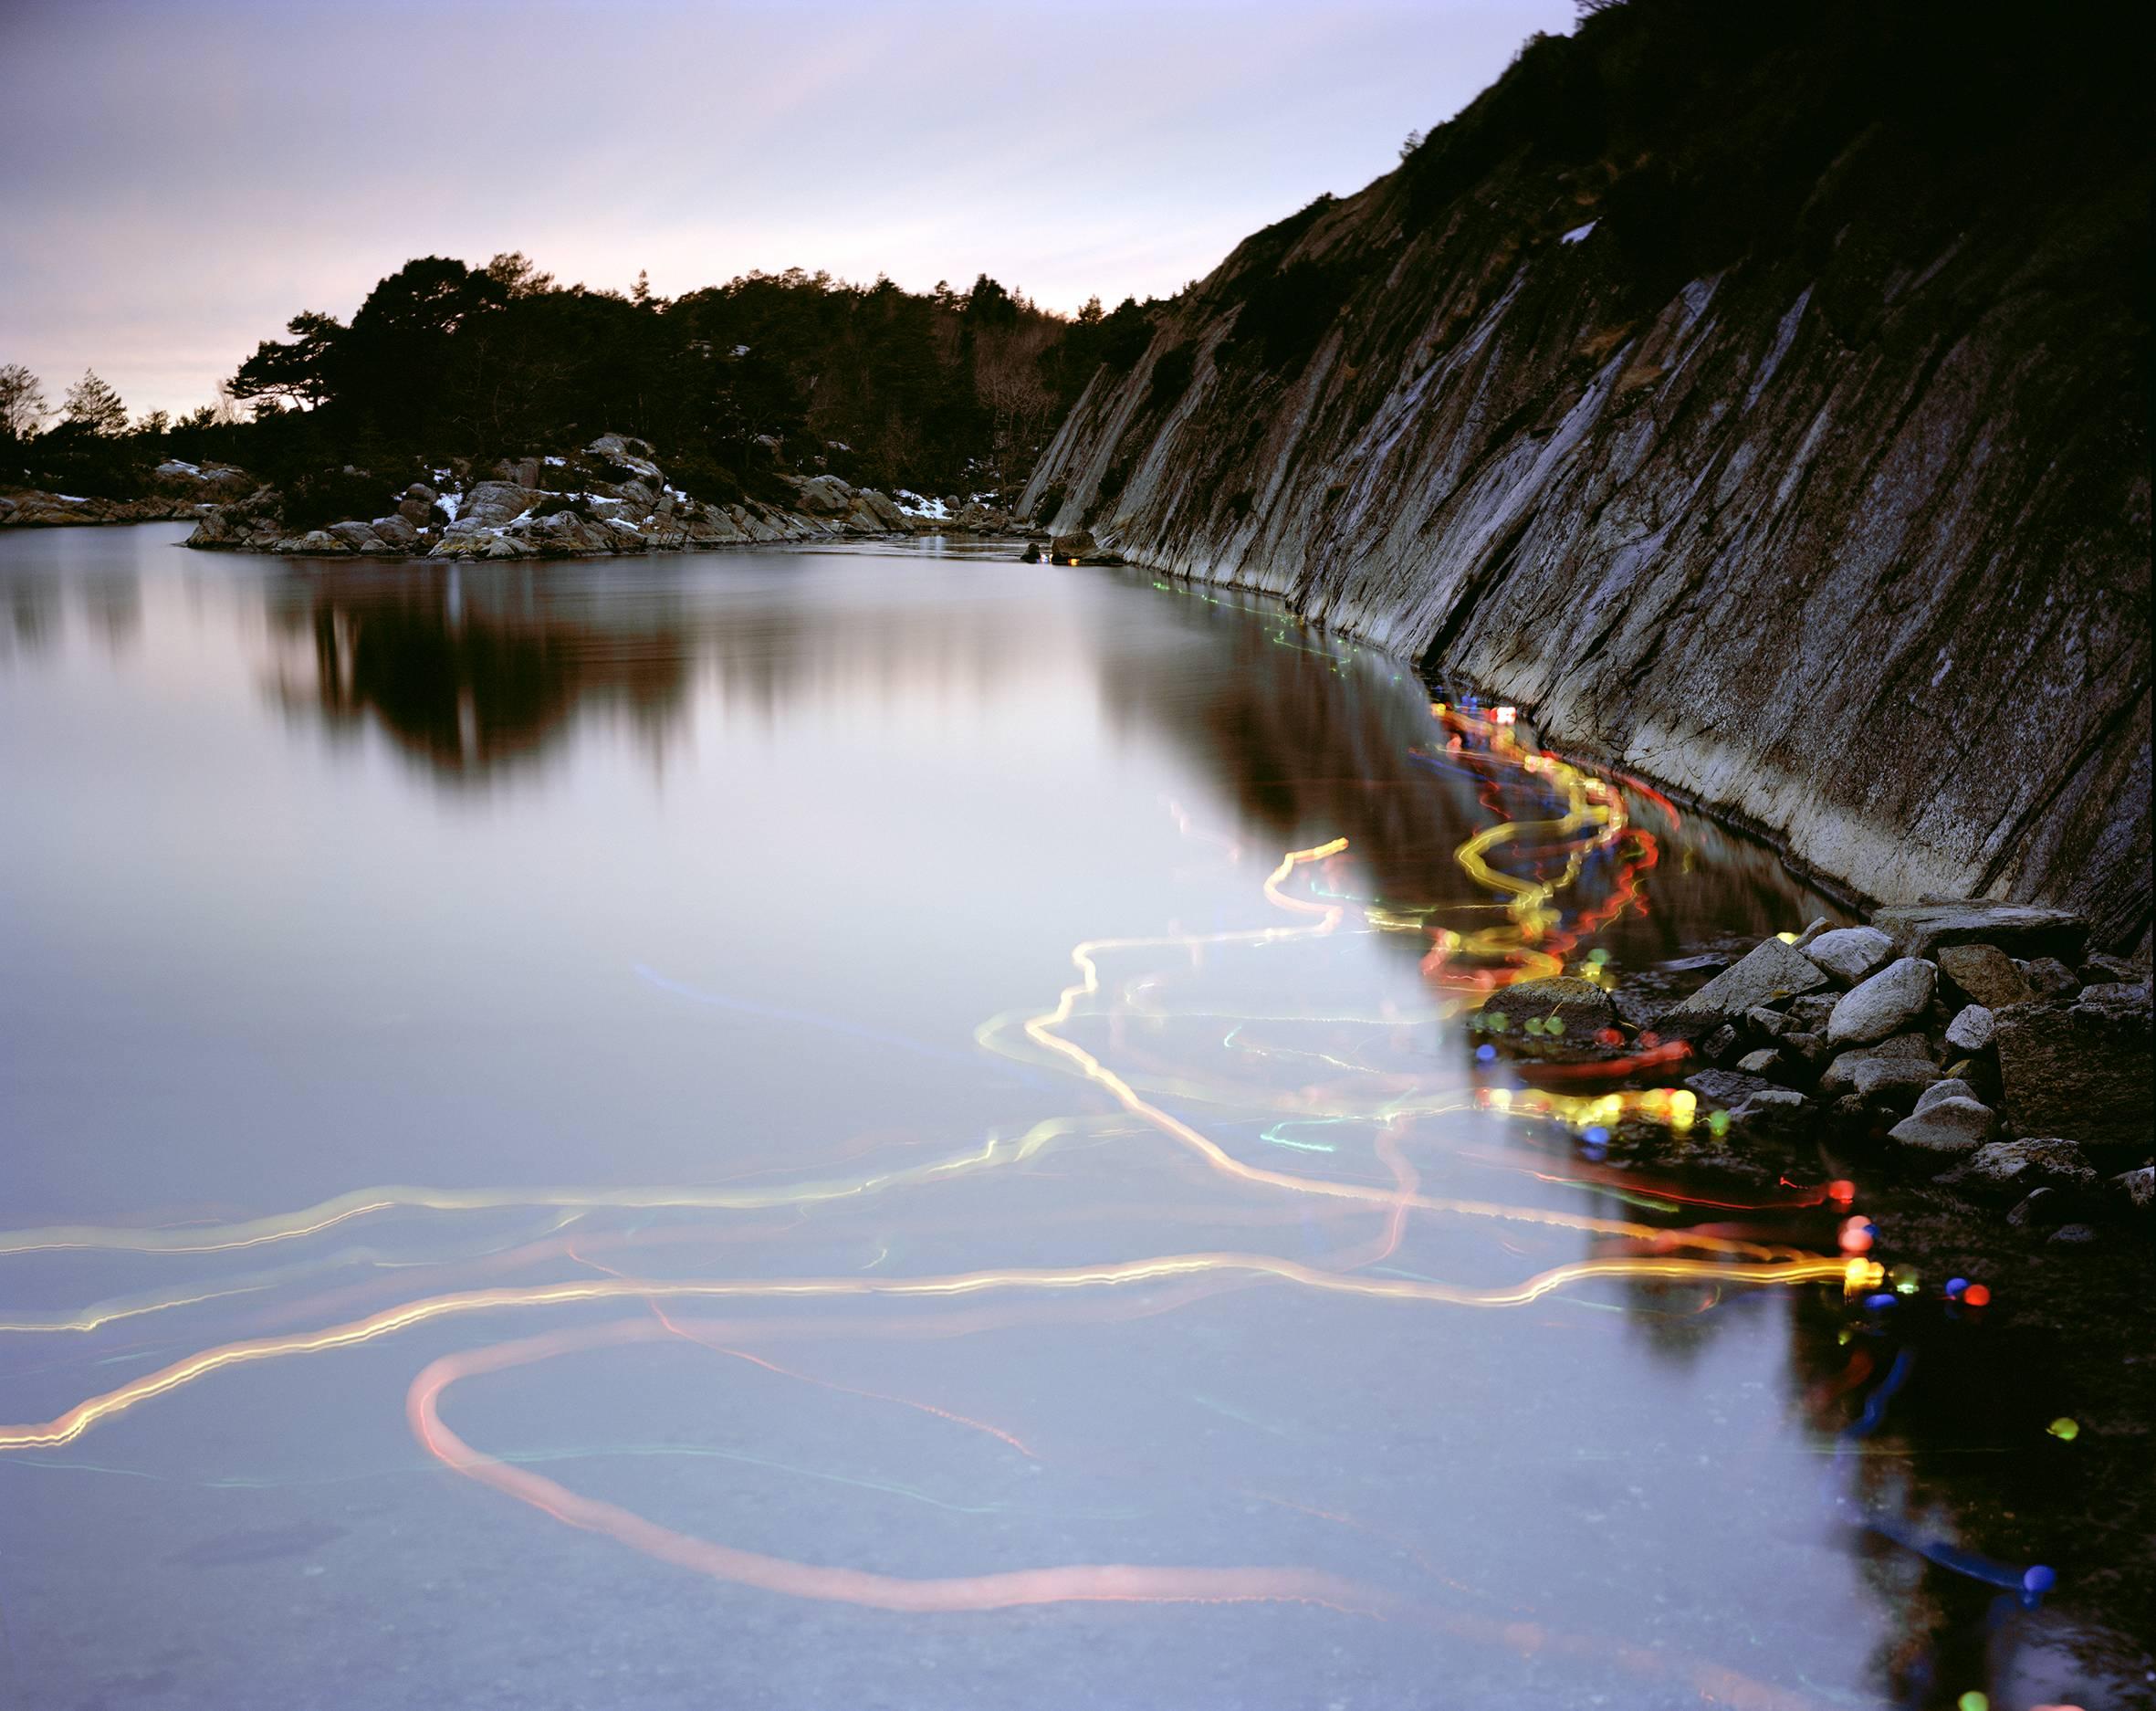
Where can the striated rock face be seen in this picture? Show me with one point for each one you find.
(1781, 434)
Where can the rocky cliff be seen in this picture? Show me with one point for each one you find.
(1758, 394)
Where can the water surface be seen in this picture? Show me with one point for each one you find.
(655, 944)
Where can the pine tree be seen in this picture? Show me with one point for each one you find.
(96, 406)
(22, 403)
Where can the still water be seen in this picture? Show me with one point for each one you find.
(560, 1155)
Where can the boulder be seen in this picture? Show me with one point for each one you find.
(1891, 1000)
(2098, 970)
(2080, 1067)
(1982, 974)
(1770, 971)
(1954, 1125)
(1922, 930)
(1971, 1030)
(2135, 1191)
(1080, 546)
(1729, 1087)
(629, 456)
(1949, 1088)
(1808, 1014)
(1768, 1024)
(1893, 1084)
(359, 537)
(1579, 1008)
(1763, 1061)
(2006, 1170)
(396, 530)
(1772, 1111)
(1850, 954)
(1911, 1051)
(2047, 977)
(314, 540)
(490, 504)
(825, 496)
(1818, 924)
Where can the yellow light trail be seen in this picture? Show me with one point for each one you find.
(66, 1427)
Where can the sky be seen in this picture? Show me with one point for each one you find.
(181, 178)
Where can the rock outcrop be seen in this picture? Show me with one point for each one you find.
(178, 491)
(1758, 395)
(613, 498)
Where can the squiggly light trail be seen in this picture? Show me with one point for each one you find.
(1592, 818)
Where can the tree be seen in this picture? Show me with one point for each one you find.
(95, 407)
(1412, 142)
(22, 403)
(299, 371)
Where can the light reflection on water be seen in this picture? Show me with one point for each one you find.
(698, 925)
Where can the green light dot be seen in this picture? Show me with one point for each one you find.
(1534, 1025)
(1597, 956)
(1973, 1701)
(1497, 1024)
(1719, 1124)
(1555, 1025)
(2065, 1430)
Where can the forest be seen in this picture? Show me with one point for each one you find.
(942, 392)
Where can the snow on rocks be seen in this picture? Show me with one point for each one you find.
(612, 498)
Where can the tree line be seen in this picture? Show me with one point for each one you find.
(943, 390)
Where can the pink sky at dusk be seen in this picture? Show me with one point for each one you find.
(182, 178)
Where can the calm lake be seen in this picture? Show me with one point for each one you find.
(557, 1154)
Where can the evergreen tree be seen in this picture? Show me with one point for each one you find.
(95, 407)
(22, 403)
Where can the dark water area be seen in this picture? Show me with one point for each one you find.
(839, 1128)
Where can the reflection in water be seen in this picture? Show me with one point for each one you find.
(468, 679)
(1227, 1276)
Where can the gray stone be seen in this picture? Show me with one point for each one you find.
(1581, 1006)
(1952, 1126)
(2098, 970)
(1811, 1047)
(1759, 1062)
(1770, 971)
(2074, 1235)
(1952, 1087)
(1971, 1030)
(1767, 1024)
(2080, 1067)
(316, 541)
(1727, 1087)
(1922, 930)
(826, 495)
(1808, 1014)
(1772, 1110)
(1722, 1045)
(1818, 924)
(2136, 1190)
(490, 504)
(1982, 974)
(2006, 1170)
(1850, 954)
(1897, 995)
(397, 530)
(2047, 977)
(1893, 1084)
(354, 535)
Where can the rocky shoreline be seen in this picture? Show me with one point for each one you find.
(181, 490)
(611, 498)
(1976, 1044)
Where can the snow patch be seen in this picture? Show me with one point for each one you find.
(450, 502)
(912, 504)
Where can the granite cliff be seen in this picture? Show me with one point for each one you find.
(1759, 395)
